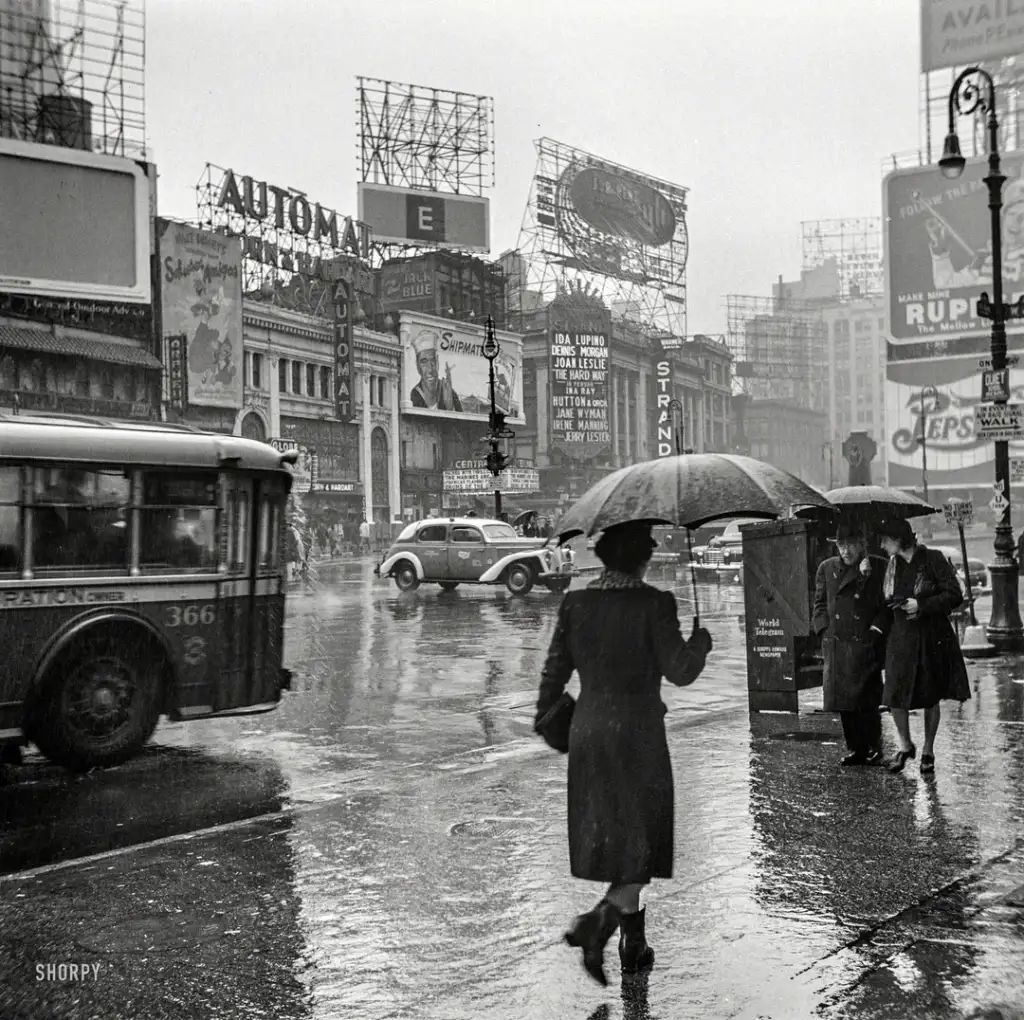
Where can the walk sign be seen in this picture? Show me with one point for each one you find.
(999, 421)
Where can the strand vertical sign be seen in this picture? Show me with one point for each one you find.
(664, 422)
(344, 352)
(579, 393)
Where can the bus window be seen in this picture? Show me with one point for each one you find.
(240, 527)
(10, 519)
(80, 518)
(179, 522)
(270, 532)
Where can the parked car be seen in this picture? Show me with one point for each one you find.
(981, 582)
(474, 550)
(722, 558)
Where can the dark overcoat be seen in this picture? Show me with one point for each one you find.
(923, 661)
(621, 806)
(847, 605)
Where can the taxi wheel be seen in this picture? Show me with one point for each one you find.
(405, 577)
(448, 585)
(519, 579)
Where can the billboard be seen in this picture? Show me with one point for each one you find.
(958, 457)
(201, 298)
(578, 374)
(938, 248)
(75, 224)
(416, 216)
(471, 478)
(957, 33)
(406, 286)
(444, 372)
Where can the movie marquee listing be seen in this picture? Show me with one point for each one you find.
(579, 393)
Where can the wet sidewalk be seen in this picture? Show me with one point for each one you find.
(416, 868)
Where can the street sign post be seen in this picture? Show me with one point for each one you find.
(960, 512)
(999, 421)
(995, 386)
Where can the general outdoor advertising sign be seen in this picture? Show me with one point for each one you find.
(200, 283)
(578, 380)
(446, 375)
(957, 33)
(416, 216)
(938, 251)
(959, 457)
(469, 478)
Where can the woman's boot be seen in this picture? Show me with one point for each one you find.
(634, 952)
(590, 932)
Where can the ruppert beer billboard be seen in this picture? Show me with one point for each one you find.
(444, 372)
(938, 249)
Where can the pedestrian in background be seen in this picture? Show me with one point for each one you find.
(364, 537)
(923, 661)
(851, 616)
(622, 636)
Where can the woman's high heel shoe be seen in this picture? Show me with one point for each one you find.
(901, 759)
(590, 932)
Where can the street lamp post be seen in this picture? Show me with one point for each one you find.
(927, 391)
(827, 448)
(1005, 630)
(496, 460)
(675, 409)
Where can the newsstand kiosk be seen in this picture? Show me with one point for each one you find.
(780, 561)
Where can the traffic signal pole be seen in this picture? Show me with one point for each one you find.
(495, 457)
(496, 460)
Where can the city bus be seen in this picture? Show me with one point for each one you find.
(141, 574)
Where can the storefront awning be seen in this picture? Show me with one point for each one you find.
(24, 339)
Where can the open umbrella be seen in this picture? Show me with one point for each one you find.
(688, 491)
(871, 502)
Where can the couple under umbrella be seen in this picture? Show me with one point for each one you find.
(623, 636)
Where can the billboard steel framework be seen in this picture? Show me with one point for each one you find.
(628, 245)
(856, 247)
(779, 348)
(72, 73)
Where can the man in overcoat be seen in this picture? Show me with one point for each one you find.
(851, 616)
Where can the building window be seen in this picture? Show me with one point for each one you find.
(405, 452)
(381, 402)
(297, 377)
(257, 372)
(434, 446)
(325, 384)
(373, 390)
(311, 380)
(282, 375)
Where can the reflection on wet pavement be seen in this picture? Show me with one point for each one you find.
(425, 848)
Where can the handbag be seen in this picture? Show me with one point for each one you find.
(555, 723)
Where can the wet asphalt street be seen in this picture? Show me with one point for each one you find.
(391, 843)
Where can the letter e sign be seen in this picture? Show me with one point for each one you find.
(424, 217)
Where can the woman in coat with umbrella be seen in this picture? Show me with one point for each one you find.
(622, 636)
(923, 661)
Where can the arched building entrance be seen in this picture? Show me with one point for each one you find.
(253, 427)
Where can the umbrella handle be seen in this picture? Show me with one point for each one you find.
(693, 578)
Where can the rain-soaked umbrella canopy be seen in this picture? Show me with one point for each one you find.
(688, 491)
(873, 502)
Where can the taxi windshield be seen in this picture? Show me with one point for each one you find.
(499, 532)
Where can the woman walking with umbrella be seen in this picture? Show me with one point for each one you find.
(622, 636)
(923, 661)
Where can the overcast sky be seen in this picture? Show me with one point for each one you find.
(771, 112)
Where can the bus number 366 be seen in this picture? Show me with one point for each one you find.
(190, 616)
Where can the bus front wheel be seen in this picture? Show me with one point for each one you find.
(99, 702)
